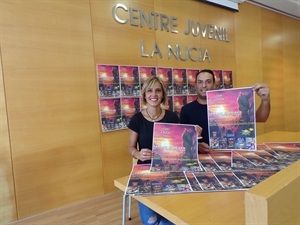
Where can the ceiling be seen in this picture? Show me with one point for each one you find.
(288, 7)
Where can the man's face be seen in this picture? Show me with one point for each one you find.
(204, 83)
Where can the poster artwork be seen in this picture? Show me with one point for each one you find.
(110, 111)
(108, 81)
(227, 79)
(129, 107)
(179, 81)
(231, 119)
(191, 78)
(130, 82)
(165, 74)
(175, 148)
(145, 73)
(218, 79)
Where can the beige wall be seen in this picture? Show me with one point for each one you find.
(53, 152)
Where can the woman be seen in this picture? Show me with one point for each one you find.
(141, 134)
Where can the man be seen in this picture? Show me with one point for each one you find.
(196, 111)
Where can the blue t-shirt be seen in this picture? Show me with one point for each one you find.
(144, 128)
(196, 114)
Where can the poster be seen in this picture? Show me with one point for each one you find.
(108, 81)
(110, 111)
(130, 82)
(227, 79)
(129, 107)
(191, 79)
(175, 148)
(165, 74)
(179, 81)
(145, 72)
(218, 79)
(231, 119)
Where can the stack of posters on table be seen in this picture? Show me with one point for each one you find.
(177, 168)
(268, 156)
(144, 182)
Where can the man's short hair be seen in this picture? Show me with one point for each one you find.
(206, 71)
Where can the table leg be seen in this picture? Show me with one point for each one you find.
(124, 209)
(129, 207)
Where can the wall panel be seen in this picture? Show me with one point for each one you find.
(51, 95)
(7, 190)
(272, 65)
(291, 72)
(248, 50)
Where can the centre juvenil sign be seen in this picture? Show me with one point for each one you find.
(159, 21)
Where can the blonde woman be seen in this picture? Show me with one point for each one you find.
(154, 96)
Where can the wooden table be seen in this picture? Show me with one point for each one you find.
(212, 208)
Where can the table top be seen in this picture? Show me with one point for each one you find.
(211, 208)
(196, 208)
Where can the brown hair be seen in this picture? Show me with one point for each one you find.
(148, 84)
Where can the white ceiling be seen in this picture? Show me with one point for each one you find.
(288, 7)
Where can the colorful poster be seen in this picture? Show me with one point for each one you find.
(144, 182)
(165, 74)
(191, 79)
(108, 80)
(129, 107)
(145, 73)
(191, 98)
(175, 148)
(287, 151)
(193, 181)
(253, 158)
(208, 181)
(223, 159)
(240, 163)
(130, 81)
(227, 79)
(231, 119)
(218, 79)
(208, 163)
(110, 111)
(229, 181)
(178, 102)
(179, 81)
(169, 104)
(250, 178)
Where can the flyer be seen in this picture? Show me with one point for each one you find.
(179, 81)
(175, 148)
(144, 182)
(231, 119)
(108, 80)
(130, 81)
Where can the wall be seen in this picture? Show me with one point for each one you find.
(49, 79)
(53, 152)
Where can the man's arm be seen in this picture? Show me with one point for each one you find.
(263, 111)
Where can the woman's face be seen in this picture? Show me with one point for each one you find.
(154, 95)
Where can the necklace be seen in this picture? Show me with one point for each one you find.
(153, 119)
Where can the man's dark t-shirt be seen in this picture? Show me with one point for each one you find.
(196, 114)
